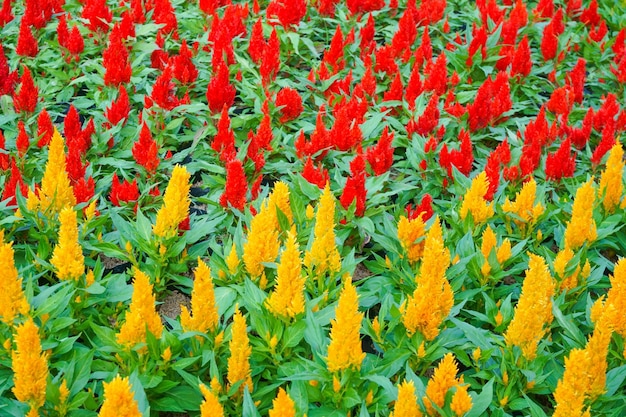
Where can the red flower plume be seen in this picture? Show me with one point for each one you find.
(183, 67)
(288, 12)
(25, 100)
(119, 108)
(355, 186)
(4, 156)
(116, 61)
(462, 159)
(256, 47)
(22, 142)
(123, 192)
(12, 184)
(26, 42)
(45, 128)
(6, 15)
(236, 186)
(98, 15)
(317, 176)
(561, 164)
(380, 157)
(291, 104)
(424, 208)
(224, 140)
(220, 91)
(145, 150)
(270, 63)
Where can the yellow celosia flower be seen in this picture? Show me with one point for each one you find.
(611, 186)
(175, 207)
(461, 401)
(474, 202)
(287, 300)
(324, 255)
(443, 379)
(582, 228)
(30, 366)
(211, 406)
(279, 199)
(141, 315)
(533, 312)
(406, 404)
(432, 300)
(240, 350)
(90, 210)
(283, 405)
(232, 260)
(12, 299)
(263, 244)
(409, 231)
(489, 243)
(597, 348)
(616, 296)
(570, 390)
(119, 400)
(344, 350)
(205, 317)
(64, 392)
(56, 191)
(67, 257)
(524, 205)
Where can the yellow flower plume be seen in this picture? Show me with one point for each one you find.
(611, 186)
(474, 202)
(211, 406)
(67, 257)
(324, 255)
(524, 205)
(30, 366)
(119, 400)
(283, 405)
(443, 379)
(240, 350)
(287, 300)
(205, 316)
(409, 231)
(12, 299)
(406, 404)
(263, 244)
(582, 228)
(175, 207)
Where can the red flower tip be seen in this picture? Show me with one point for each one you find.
(145, 150)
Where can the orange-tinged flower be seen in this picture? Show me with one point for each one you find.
(432, 300)
(409, 231)
(30, 366)
(406, 404)
(524, 205)
(442, 380)
(287, 300)
(283, 405)
(533, 313)
(211, 406)
(324, 255)
(205, 316)
(67, 257)
(240, 350)
(232, 260)
(474, 202)
(611, 186)
(263, 244)
(582, 228)
(461, 401)
(279, 200)
(570, 390)
(142, 314)
(12, 299)
(56, 192)
(175, 207)
(344, 350)
(119, 400)
(489, 243)
(617, 297)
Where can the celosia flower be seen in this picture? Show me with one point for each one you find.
(270, 63)
(581, 228)
(279, 200)
(317, 176)
(493, 98)
(232, 260)
(236, 186)
(25, 100)
(533, 313)
(13, 183)
(146, 151)
(611, 185)
(205, 317)
(524, 205)
(324, 255)
(409, 232)
(562, 163)
(45, 128)
(240, 350)
(116, 61)
(431, 302)
(98, 15)
(142, 315)
(380, 156)
(224, 140)
(257, 43)
(183, 67)
(617, 297)
(462, 159)
(474, 202)
(289, 13)
(210, 406)
(164, 91)
(176, 202)
(287, 300)
(406, 404)
(12, 299)
(220, 92)
(443, 379)
(26, 42)
(489, 243)
(522, 63)
(461, 401)
(123, 192)
(290, 104)
(30, 366)
(570, 390)
(120, 107)
(262, 244)
(344, 350)
(67, 257)
(354, 190)
(56, 192)
(8, 78)
(282, 405)
(119, 400)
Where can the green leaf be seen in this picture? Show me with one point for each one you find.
(481, 401)
(249, 409)
(614, 380)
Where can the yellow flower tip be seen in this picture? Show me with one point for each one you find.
(376, 327)
(476, 354)
(90, 211)
(345, 350)
(461, 401)
(504, 401)
(263, 244)
(210, 406)
(167, 354)
(176, 202)
(421, 351)
(216, 387)
(443, 379)
(240, 350)
(498, 318)
(530, 385)
(283, 405)
(30, 366)
(474, 202)
(232, 260)
(205, 316)
(524, 206)
(539, 235)
(336, 384)
(310, 213)
(505, 378)
(13, 301)
(410, 234)
(611, 186)
(55, 192)
(119, 399)
(324, 255)
(369, 398)
(64, 392)
(7, 345)
(406, 404)
(90, 278)
(314, 383)
(67, 257)
(287, 299)
(582, 228)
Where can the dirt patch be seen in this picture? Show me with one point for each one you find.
(170, 307)
(361, 272)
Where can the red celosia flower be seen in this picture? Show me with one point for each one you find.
(424, 208)
(599, 32)
(236, 186)
(220, 91)
(165, 15)
(333, 57)
(518, 18)
(209, 6)
(590, 15)
(489, 9)
(97, 13)
(45, 128)
(355, 186)
(137, 12)
(145, 150)
(620, 71)
(462, 159)
(580, 137)
(522, 63)
(346, 132)
(561, 164)
(364, 6)
(159, 57)
(396, 89)
(4, 156)
(224, 140)
(264, 133)
(414, 87)
(497, 158)
(479, 42)
(256, 47)
(493, 98)
(75, 44)
(119, 108)
(576, 80)
(126, 26)
(453, 107)
(544, 9)
(430, 118)
(425, 51)
(550, 39)
(574, 7)
(605, 145)
(561, 101)
(288, 12)
(39, 12)
(317, 176)
(290, 102)
(75, 135)
(380, 157)
(63, 31)
(270, 63)
(22, 142)
(26, 42)
(430, 12)
(405, 37)
(367, 44)
(75, 167)
(25, 100)
(8, 78)
(116, 61)
(437, 75)
(84, 190)
(255, 152)
(327, 7)
(6, 15)
(607, 112)
(164, 91)
(368, 82)
(123, 192)
(386, 60)
(13, 183)
(183, 67)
